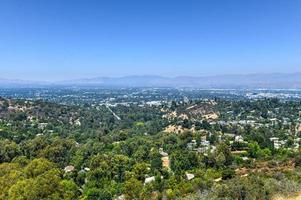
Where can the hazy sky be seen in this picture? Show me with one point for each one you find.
(57, 39)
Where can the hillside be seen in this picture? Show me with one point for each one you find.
(219, 148)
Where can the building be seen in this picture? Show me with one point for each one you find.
(69, 168)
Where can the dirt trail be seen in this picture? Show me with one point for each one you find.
(263, 167)
(296, 196)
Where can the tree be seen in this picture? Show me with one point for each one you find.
(58, 151)
(140, 170)
(68, 190)
(132, 189)
(37, 167)
(183, 160)
(21, 160)
(156, 161)
(39, 179)
(223, 155)
(256, 152)
(119, 165)
(228, 174)
(45, 186)
(19, 116)
(297, 160)
(8, 150)
(97, 193)
(10, 173)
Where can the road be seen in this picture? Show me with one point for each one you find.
(115, 115)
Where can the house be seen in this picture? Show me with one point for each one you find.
(191, 145)
(87, 169)
(229, 135)
(189, 176)
(274, 139)
(213, 148)
(238, 138)
(162, 153)
(203, 149)
(69, 168)
(205, 143)
(77, 122)
(165, 162)
(121, 197)
(277, 144)
(42, 125)
(149, 180)
(245, 158)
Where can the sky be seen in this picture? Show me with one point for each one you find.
(71, 39)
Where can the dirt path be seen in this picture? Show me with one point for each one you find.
(296, 196)
(263, 167)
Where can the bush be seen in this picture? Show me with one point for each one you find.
(298, 161)
(228, 174)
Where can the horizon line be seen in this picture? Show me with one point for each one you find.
(148, 75)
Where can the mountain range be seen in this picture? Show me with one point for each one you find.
(246, 81)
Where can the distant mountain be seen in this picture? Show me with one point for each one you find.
(126, 81)
(247, 81)
(20, 83)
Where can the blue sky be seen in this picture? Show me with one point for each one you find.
(66, 39)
